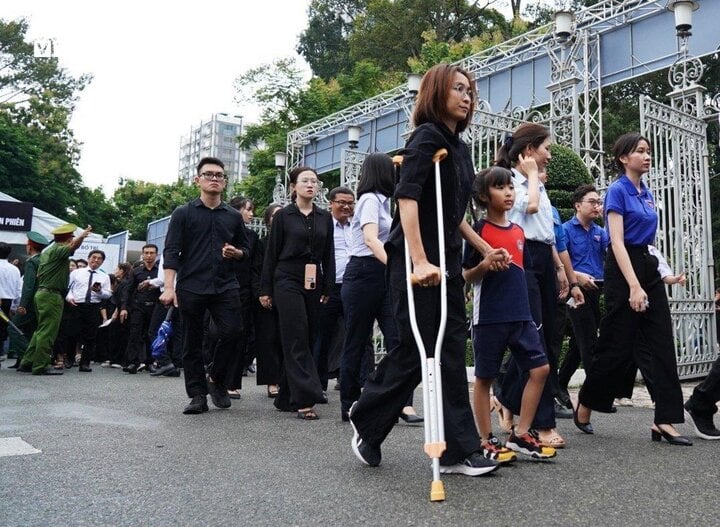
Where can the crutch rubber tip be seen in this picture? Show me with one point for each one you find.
(437, 491)
(440, 155)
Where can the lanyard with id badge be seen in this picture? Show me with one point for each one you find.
(310, 279)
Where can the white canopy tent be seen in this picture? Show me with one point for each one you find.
(42, 222)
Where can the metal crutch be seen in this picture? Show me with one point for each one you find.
(430, 367)
(10, 323)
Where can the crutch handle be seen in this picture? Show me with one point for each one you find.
(440, 155)
(435, 450)
(414, 280)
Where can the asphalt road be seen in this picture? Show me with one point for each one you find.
(116, 450)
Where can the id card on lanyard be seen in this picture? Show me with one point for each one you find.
(310, 278)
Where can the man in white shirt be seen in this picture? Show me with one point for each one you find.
(10, 289)
(342, 206)
(88, 287)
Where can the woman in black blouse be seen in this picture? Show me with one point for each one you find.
(267, 336)
(298, 271)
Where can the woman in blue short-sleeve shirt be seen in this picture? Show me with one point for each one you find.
(636, 301)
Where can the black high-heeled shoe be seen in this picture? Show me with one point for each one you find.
(411, 419)
(585, 427)
(657, 435)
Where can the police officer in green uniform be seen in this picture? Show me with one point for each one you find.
(52, 284)
(25, 319)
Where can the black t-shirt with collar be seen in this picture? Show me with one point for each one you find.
(417, 182)
(193, 247)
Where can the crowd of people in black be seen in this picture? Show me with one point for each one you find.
(299, 304)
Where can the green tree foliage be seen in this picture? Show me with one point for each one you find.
(566, 172)
(390, 32)
(289, 102)
(324, 43)
(37, 98)
(387, 32)
(138, 203)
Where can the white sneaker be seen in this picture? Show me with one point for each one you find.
(474, 465)
(105, 364)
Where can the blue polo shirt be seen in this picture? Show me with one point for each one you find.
(586, 247)
(560, 239)
(640, 218)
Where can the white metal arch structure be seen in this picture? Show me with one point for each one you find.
(538, 77)
(613, 40)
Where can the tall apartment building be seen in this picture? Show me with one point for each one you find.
(216, 137)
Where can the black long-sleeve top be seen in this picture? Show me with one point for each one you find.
(139, 275)
(193, 247)
(296, 240)
(417, 182)
(258, 258)
(121, 293)
(243, 268)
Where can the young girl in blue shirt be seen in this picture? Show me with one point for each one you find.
(636, 302)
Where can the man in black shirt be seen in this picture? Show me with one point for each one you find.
(205, 239)
(143, 297)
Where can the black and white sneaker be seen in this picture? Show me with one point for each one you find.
(529, 445)
(365, 452)
(474, 465)
(703, 426)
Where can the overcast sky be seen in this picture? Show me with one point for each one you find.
(158, 69)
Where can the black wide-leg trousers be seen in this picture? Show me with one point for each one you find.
(387, 389)
(645, 337)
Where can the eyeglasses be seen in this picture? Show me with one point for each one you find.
(464, 90)
(594, 202)
(344, 203)
(309, 182)
(213, 175)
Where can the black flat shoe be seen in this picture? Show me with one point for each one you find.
(24, 369)
(585, 427)
(411, 419)
(657, 435)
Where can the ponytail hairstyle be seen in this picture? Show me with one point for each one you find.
(626, 145)
(293, 175)
(527, 134)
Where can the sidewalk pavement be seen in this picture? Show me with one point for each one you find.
(110, 449)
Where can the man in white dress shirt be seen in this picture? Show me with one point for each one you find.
(10, 289)
(88, 287)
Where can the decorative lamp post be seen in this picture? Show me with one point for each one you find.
(683, 10)
(279, 192)
(413, 83)
(354, 135)
(564, 20)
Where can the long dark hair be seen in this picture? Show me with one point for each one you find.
(435, 87)
(267, 216)
(527, 134)
(377, 175)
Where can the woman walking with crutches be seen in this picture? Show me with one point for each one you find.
(444, 108)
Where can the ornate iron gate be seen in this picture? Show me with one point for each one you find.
(679, 181)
